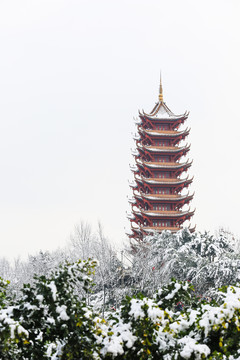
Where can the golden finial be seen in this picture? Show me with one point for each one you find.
(160, 96)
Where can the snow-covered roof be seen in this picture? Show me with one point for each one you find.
(166, 165)
(169, 181)
(165, 213)
(162, 111)
(135, 152)
(160, 213)
(165, 133)
(133, 184)
(130, 216)
(132, 201)
(164, 197)
(165, 148)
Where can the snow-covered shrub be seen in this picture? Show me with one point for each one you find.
(146, 328)
(55, 322)
(52, 322)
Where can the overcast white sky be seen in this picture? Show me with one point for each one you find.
(73, 74)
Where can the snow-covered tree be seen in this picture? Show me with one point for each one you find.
(84, 244)
(205, 260)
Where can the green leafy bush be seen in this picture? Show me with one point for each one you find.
(52, 321)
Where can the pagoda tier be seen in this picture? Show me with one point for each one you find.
(154, 137)
(147, 169)
(179, 216)
(158, 182)
(168, 201)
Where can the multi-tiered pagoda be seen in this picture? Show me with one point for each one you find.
(159, 188)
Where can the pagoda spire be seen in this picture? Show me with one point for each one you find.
(160, 96)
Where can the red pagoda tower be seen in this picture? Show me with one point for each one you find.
(159, 187)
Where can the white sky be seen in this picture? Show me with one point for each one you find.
(73, 74)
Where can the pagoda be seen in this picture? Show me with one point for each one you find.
(159, 186)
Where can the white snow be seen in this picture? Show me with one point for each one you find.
(136, 309)
(171, 295)
(191, 347)
(40, 299)
(53, 288)
(61, 310)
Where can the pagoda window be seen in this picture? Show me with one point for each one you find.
(162, 207)
(162, 142)
(165, 191)
(163, 159)
(164, 223)
(162, 127)
(161, 191)
(163, 175)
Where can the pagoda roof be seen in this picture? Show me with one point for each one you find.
(162, 111)
(172, 149)
(168, 181)
(165, 133)
(164, 214)
(164, 165)
(164, 197)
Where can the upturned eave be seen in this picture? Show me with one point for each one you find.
(164, 197)
(162, 111)
(162, 165)
(167, 214)
(166, 133)
(165, 149)
(159, 181)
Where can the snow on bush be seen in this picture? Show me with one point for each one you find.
(50, 321)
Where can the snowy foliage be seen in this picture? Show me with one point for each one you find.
(49, 319)
(83, 244)
(51, 322)
(207, 261)
(61, 314)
